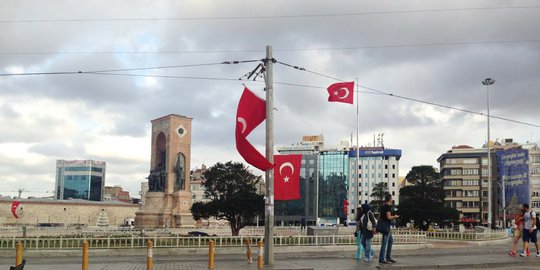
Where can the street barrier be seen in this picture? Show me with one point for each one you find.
(469, 235)
(19, 254)
(149, 257)
(211, 255)
(247, 242)
(85, 256)
(134, 242)
(260, 258)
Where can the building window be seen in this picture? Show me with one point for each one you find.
(393, 166)
(385, 166)
(393, 184)
(385, 175)
(393, 175)
(470, 171)
(470, 161)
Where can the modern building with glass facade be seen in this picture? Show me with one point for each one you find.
(333, 185)
(80, 179)
(375, 165)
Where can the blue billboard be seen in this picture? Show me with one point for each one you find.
(513, 167)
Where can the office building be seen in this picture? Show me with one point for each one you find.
(375, 165)
(80, 179)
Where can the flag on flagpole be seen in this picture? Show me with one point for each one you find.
(287, 177)
(341, 92)
(250, 113)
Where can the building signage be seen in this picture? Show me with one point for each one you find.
(376, 153)
(513, 167)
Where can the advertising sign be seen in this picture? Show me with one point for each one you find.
(513, 167)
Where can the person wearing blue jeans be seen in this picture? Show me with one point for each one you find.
(385, 255)
(368, 226)
(358, 234)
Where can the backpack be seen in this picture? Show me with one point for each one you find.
(537, 220)
(369, 224)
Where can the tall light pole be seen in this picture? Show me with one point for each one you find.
(487, 82)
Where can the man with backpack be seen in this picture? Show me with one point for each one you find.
(368, 229)
(530, 231)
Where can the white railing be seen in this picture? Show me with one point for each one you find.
(469, 235)
(132, 242)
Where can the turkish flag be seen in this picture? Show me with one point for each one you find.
(250, 113)
(341, 92)
(14, 206)
(287, 177)
(345, 206)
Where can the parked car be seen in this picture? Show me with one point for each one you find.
(197, 233)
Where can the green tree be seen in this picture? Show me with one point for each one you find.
(378, 192)
(423, 202)
(232, 190)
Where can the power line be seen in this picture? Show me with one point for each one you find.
(126, 69)
(265, 17)
(114, 72)
(352, 48)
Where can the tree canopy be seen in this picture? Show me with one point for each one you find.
(423, 175)
(423, 202)
(378, 192)
(232, 190)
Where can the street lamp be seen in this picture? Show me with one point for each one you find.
(487, 82)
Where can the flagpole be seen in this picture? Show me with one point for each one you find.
(269, 202)
(357, 150)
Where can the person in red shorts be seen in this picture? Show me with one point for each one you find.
(517, 228)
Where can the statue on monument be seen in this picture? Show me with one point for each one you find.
(179, 170)
(157, 178)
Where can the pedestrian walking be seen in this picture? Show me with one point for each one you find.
(369, 223)
(517, 228)
(383, 226)
(529, 231)
(302, 224)
(358, 234)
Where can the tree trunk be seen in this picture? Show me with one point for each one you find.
(234, 230)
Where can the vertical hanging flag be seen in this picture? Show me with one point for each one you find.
(250, 113)
(14, 206)
(345, 207)
(341, 92)
(287, 177)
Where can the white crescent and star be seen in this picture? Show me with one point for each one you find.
(243, 122)
(286, 164)
(344, 96)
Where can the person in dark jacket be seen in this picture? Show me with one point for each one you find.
(367, 231)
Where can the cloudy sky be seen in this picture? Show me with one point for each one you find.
(435, 51)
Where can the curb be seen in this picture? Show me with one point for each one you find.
(460, 266)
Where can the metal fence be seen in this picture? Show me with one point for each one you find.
(469, 235)
(133, 242)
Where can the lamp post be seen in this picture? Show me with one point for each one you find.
(487, 82)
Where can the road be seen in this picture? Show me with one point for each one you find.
(449, 256)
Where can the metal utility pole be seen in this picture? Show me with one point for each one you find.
(487, 82)
(356, 188)
(269, 202)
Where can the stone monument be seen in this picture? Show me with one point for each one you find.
(168, 200)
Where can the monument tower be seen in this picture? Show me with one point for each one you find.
(168, 200)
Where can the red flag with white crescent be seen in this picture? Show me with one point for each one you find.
(287, 177)
(14, 206)
(341, 92)
(251, 112)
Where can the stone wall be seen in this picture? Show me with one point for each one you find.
(67, 212)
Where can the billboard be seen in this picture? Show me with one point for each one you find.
(513, 167)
